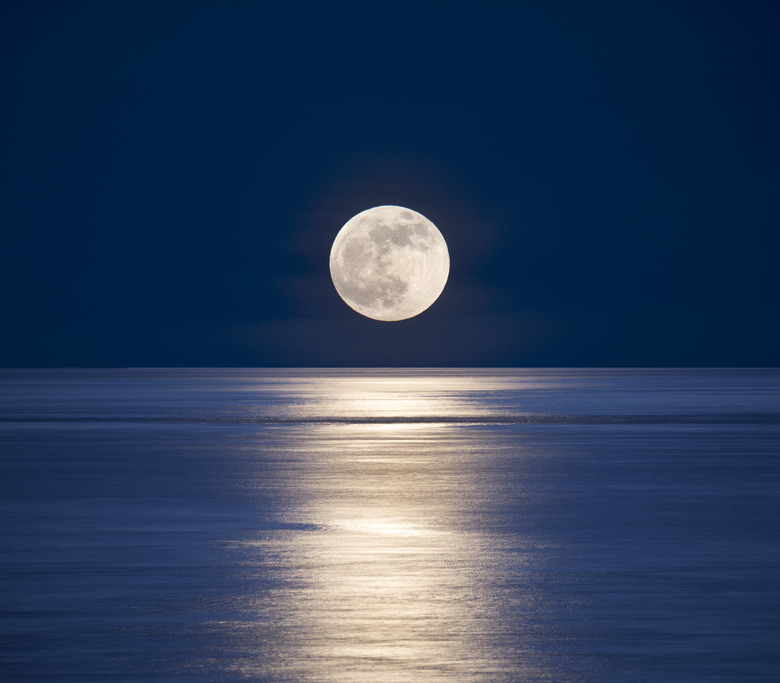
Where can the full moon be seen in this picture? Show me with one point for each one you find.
(389, 263)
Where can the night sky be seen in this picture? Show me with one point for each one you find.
(606, 175)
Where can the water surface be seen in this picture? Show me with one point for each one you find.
(394, 525)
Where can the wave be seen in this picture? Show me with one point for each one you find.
(497, 419)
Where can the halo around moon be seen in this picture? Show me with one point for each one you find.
(389, 263)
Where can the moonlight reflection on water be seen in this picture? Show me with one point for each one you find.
(383, 576)
(383, 572)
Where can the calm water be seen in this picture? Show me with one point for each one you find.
(390, 525)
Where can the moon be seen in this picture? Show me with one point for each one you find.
(389, 263)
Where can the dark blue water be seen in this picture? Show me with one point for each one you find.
(391, 525)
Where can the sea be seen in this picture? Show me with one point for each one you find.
(358, 525)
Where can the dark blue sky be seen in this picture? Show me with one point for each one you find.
(606, 174)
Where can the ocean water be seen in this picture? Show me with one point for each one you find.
(390, 525)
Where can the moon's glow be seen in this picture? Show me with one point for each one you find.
(389, 263)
